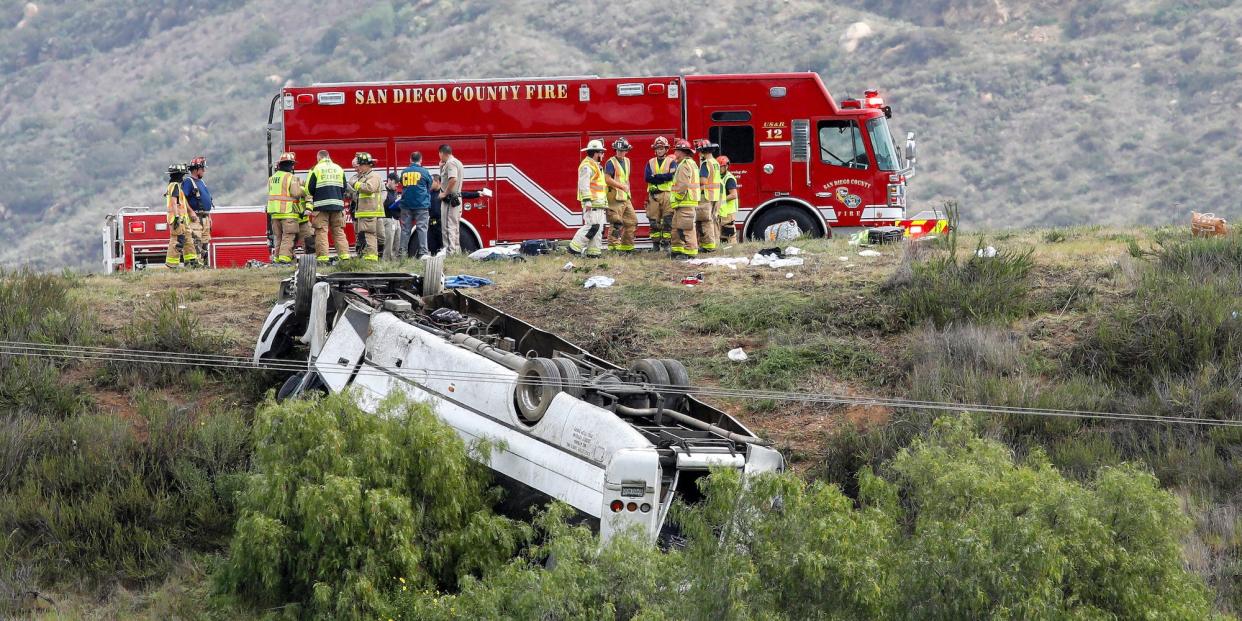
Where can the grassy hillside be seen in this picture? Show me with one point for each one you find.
(1136, 321)
(1030, 112)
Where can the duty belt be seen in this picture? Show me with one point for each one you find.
(204, 212)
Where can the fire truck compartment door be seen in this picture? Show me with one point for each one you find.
(338, 361)
(472, 152)
(774, 166)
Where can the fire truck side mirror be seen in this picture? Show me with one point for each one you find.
(911, 149)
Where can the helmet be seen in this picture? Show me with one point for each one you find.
(621, 144)
(198, 162)
(681, 144)
(714, 147)
(287, 156)
(178, 168)
(702, 144)
(594, 145)
(362, 158)
(660, 141)
(723, 160)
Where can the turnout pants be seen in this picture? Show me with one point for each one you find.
(330, 223)
(624, 220)
(369, 230)
(589, 240)
(708, 229)
(180, 244)
(685, 240)
(286, 232)
(660, 217)
(201, 232)
(728, 228)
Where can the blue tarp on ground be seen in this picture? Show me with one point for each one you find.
(464, 281)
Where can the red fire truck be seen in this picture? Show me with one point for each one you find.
(798, 154)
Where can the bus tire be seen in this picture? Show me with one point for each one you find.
(571, 377)
(538, 382)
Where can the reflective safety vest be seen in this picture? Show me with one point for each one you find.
(329, 192)
(691, 195)
(280, 201)
(598, 194)
(711, 190)
(729, 205)
(370, 204)
(661, 168)
(621, 172)
(175, 203)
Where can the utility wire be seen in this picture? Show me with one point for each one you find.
(112, 355)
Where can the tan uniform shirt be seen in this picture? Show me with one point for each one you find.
(450, 168)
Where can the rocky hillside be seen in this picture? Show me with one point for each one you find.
(1030, 112)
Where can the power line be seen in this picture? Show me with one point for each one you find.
(113, 355)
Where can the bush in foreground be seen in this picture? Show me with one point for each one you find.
(346, 509)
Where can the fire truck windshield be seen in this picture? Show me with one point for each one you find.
(882, 144)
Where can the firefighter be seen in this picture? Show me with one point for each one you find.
(620, 209)
(659, 177)
(728, 204)
(180, 218)
(286, 202)
(709, 183)
(326, 185)
(684, 197)
(199, 199)
(366, 188)
(592, 193)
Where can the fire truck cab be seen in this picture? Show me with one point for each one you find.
(797, 154)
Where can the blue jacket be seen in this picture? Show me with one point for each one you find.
(197, 194)
(415, 187)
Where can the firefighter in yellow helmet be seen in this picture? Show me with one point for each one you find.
(326, 185)
(659, 176)
(621, 214)
(592, 194)
(728, 201)
(684, 197)
(181, 249)
(367, 190)
(285, 205)
(709, 182)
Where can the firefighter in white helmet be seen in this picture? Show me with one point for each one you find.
(181, 249)
(367, 190)
(593, 196)
(621, 214)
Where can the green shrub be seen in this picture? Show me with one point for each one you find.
(167, 327)
(100, 498)
(344, 506)
(943, 289)
(36, 308)
(952, 528)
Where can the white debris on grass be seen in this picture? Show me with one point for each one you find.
(568, 266)
(503, 251)
(598, 282)
(774, 262)
(986, 253)
(732, 262)
(868, 253)
(738, 355)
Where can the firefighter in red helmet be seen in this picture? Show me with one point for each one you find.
(659, 177)
(180, 218)
(684, 197)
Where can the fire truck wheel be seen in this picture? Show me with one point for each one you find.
(571, 377)
(303, 284)
(810, 225)
(469, 243)
(538, 382)
(677, 376)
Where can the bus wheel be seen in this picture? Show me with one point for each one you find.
(807, 222)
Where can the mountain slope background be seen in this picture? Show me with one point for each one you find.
(1029, 112)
